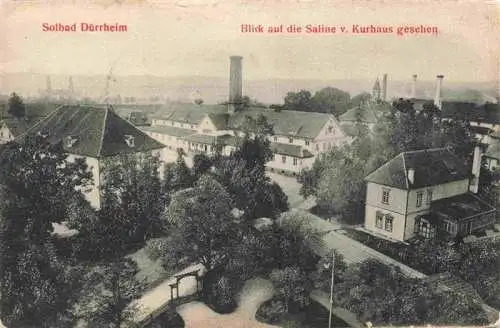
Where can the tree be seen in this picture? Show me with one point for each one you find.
(331, 100)
(203, 228)
(16, 106)
(401, 300)
(292, 285)
(243, 174)
(132, 202)
(177, 176)
(201, 165)
(360, 99)
(36, 184)
(299, 101)
(111, 290)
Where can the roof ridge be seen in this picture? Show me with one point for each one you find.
(101, 142)
(425, 150)
(406, 173)
(57, 109)
(385, 164)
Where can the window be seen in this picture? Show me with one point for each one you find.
(379, 218)
(429, 196)
(386, 193)
(275, 139)
(307, 142)
(388, 222)
(283, 159)
(330, 129)
(424, 228)
(290, 140)
(420, 195)
(295, 161)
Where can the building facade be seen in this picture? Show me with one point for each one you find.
(421, 193)
(296, 140)
(98, 135)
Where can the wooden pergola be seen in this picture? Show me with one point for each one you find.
(179, 277)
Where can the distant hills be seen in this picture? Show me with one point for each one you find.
(215, 89)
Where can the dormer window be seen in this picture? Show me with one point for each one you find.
(70, 141)
(130, 140)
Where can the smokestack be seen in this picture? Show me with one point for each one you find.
(476, 169)
(414, 87)
(235, 82)
(384, 87)
(439, 84)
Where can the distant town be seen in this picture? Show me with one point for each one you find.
(307, 205)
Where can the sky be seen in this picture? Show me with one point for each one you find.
(185, 38)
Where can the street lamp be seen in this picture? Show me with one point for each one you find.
(327, 265)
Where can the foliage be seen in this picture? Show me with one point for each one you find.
(402, 300)
(110, 292)
(16, 106)
(327, 100)
(201, 165)
(243, 174)
(323, 274)
(131, 205)
(332, 101)
(360, 99)
(177, 176)
(203, 227)
(36, 184)
(220, 294)
(271, 312)
(293, 285)
(337, 177)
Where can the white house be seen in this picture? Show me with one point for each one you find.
(418, 193)
(96, 134)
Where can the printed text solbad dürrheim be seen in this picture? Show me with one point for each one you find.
(84, 27)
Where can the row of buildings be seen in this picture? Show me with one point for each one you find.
(416, 193)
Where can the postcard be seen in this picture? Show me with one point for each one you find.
(249, 163)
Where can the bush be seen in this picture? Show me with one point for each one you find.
(219, 292)
(271, 312)
(169, 319)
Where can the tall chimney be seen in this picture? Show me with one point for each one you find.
(235, 82)
(384, 87)
(439, 84)
(476, 169)
(71, 89)
(414, 87)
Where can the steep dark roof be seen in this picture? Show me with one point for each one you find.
(432, 167)
(18, 127)
(98, 132)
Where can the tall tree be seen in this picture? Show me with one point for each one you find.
(16, 106)
(177, 176)
(111, 292)
(299, 101)
(203, 227)
(331, 100)
(36, 185)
